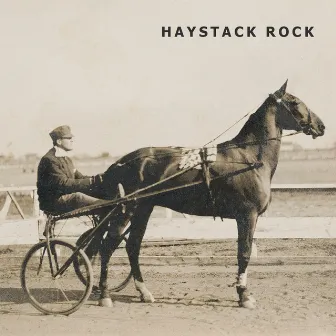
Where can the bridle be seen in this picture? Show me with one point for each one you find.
(305, 127)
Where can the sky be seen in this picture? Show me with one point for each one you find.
(102, 67)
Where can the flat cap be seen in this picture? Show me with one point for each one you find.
(60, 132)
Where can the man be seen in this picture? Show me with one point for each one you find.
(61, 187)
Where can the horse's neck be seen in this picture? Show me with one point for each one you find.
(262, 135)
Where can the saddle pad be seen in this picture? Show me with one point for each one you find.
(191, 157)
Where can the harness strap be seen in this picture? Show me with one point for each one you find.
(206, 176)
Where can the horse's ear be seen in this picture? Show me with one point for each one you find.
(282, 90)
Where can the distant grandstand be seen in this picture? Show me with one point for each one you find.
(289, 151)
(292, 151)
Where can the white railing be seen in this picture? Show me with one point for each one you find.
(11, 198)
(168, 227)
(33, 193)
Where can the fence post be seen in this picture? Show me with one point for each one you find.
(36, 210)
(16, 204)
(5, 208)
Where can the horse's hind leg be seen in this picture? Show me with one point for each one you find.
(246, 226)
(105, 255)
(110, 243)
(138, 228)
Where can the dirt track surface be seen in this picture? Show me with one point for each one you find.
(190, 300)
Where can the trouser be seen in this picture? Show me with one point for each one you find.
(70, 202)
(74, 201)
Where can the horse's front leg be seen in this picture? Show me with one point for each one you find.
(246, 227)
(138, 228)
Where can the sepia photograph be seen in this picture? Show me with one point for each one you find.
(168, 167)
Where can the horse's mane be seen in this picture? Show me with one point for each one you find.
(253, 122)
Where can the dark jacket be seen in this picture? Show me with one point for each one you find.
(56, 176)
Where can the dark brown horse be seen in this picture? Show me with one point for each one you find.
(239, 183)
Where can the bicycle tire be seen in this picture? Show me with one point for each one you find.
(44, 298)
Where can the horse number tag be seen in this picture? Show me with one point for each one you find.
(191, 157)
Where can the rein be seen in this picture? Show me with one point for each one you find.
(214, 139)
(207, 179)
(236, 145)
(252, 143)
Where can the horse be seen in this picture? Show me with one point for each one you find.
(236, 185)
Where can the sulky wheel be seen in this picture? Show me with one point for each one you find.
(63, 294)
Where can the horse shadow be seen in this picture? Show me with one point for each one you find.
(176, 300)
(16, 295)
(11, 295)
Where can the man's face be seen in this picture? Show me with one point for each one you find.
(65, 143)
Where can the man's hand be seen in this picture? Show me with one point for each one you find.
(97, 180)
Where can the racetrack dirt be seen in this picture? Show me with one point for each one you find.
(295, 296)
(195, 299)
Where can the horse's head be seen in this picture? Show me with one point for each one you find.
(293, 114)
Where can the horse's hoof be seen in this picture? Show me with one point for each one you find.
(249, 304)
(105, 302)
(147, 298)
